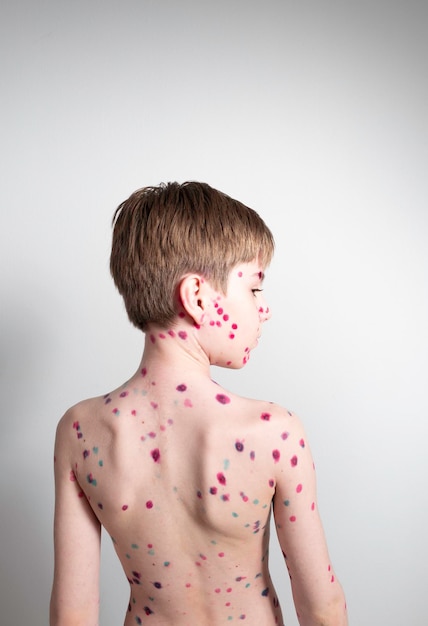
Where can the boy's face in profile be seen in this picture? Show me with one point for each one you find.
(234, 321)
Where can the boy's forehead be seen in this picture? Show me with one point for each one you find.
(251, 269)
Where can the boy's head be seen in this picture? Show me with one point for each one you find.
(160, 234)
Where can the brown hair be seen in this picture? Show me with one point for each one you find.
(162, 233)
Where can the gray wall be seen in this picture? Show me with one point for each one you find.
(315, 114)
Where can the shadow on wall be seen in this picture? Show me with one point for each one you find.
(26, 477)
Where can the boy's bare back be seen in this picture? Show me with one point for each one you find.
(184, 475)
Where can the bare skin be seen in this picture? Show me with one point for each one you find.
(184, 475)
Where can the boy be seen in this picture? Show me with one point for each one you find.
(182, 473)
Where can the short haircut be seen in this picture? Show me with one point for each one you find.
(161, 234)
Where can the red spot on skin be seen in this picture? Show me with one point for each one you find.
(293, 518)
(152, 338)
(182, 334)
(181, 387)
(162, 336)
(276, 455)
(240, 274)
(302, 443)
(265, 416)
(294, 461)
(213, 490)
(188, 403)
(154, 405)
(234, 326)
(218, 324)
(188, 585)
(231, 336)
(299, 488)
(252, 455)
(125, 506)
(72, 476)
(221, 554)
(144, 372)
(134, 412)
(221, 478)
(225, 317)
(155, 455)
(313, 506)
(284, 436)
(225, 497)
(332, 579)
(171, 333)
(217, 590)
(86, 453)
(229, 590)
(271, 483)
(220, 397)
(149, 504)
(239, 446)
(152, 435)
(243, 496)
(123, 394)
(219, 311)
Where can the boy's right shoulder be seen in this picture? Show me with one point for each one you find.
(74, 415)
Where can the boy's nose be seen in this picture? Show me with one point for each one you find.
(264, 313)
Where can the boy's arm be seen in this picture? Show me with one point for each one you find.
(317, 594)
(77, 532)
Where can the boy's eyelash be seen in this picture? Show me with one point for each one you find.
(256, 290)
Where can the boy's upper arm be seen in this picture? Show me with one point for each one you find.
(299, 528)
(75, 593)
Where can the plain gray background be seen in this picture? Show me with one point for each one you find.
(315, 114)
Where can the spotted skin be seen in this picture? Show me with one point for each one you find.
(185, 475)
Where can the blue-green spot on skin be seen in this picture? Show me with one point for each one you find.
(255, 501)
(166, 563)
(235, 514)
(95, 449)
(287, 502)
(226, 464)
(134, 546)
(100, 462)
(128, 556)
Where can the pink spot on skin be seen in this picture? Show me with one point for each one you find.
(188, 403)
(86, 453)
(72, 476)
(123, 394)
(134, 412)
(221, 554)
(225, 497)
(294, 461)
(219, 311)
(265, 417)
(302, 443)
(271, 483)
(188, 585)
(276, 455)
(149, 504)
(252, 455)
(313, 506)
(218, 324)
(152, 435)
(332, 579)
(162, 336)
(154, 405)
(229, 590)
(144, 372)
(239, 446)
(125, 506)
(221, 478)
(234, 326)
(284, 436)
(213, 490)
(171, 333)
(181, 387)
(231, 336)
(240, 274)
(217, 590)
(182, 334)
(225, 317)
(243, 496)
(152, 338)
(293, 518)
(299, 488)
(155, 455)
(220, 397)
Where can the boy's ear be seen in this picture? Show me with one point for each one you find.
(193, 294)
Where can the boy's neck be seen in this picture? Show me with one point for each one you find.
(175, 348)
